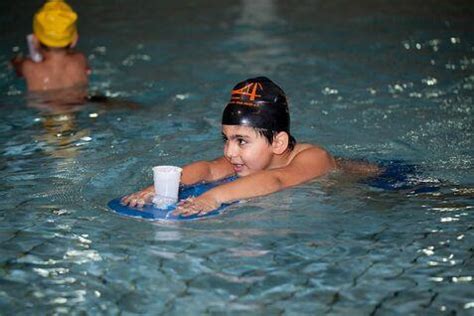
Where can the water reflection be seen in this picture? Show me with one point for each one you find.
(257, 13)
(58, 110)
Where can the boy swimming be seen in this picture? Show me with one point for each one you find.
(55, 35)
(258, 148)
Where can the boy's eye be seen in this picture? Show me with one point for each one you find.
(241, 141)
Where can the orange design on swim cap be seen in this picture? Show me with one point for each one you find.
(250, 91)
(55, 24)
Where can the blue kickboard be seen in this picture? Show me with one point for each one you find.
(150, 212)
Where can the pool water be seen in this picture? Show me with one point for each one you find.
(379, 81)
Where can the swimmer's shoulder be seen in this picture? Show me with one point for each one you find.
(309, 149)
(314, 152)
(79, 61)
(33, 72)
(77, 56)
(25, 66)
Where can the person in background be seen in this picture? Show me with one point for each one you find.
(53, 62)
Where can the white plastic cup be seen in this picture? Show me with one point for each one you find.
(166, 180)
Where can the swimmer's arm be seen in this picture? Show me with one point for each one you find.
(206, 171)
(200, 171)
(307, 165)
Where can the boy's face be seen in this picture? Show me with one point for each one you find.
(246, 150)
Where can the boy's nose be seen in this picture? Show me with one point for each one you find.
(230, 151)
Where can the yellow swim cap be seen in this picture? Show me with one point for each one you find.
(55, 24)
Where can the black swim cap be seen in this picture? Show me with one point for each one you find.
(260, 103)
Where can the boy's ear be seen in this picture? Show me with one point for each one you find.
(280, 143)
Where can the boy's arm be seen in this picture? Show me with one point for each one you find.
(206, 171)
(200, 171)
(308, 164)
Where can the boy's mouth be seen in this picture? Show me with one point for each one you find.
(238, 167)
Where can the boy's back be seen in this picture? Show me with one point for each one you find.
(55, 33)
(59, 69)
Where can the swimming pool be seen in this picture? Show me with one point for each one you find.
(372, 80)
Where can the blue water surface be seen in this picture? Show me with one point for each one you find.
(373, 80)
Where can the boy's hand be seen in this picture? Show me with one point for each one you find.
(139, 198)
(200, 205)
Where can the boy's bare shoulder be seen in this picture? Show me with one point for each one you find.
(77, 55)
(315, 156)
(310, 150)
(28, 66)
(77, 59)
(306, 162)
